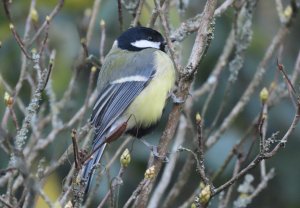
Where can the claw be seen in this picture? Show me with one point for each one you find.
(154, 151)
(177, 100)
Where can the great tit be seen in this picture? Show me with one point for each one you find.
(133, 85)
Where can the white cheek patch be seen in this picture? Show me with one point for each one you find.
(146, 44)
(136, 78)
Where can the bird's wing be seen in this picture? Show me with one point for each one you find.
(112, 103)
(116, 93)
(116, 96)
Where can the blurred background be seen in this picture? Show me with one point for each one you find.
(64, 36)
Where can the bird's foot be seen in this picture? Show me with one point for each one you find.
(154, 151)
(176, 99)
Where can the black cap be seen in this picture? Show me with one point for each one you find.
(127, 39)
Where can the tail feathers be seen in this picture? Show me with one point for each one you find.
(89, 168)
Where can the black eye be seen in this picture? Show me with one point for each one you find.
(150, 38)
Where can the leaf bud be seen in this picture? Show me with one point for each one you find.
(9, 100)
(264, 95)
(205, 195)
(198, 118)
(34, 15)
(150, 172)
(125, 157)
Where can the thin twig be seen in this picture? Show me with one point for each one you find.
(154, 14)
(23, 60)
(223, 7)
(170, 166)
(234, 151)
(115, 183)
(164, 22)
(194, 155)
(215, 75)
(120, 15)
(280, 11)
(263, 184)
(84, 48)
(46, 36)
(19, 41)
(281, 34)
(143, 183)
(75, 150)
(6, 9)
(199, 48)
(32, 109)
(291, 88)
(4, 171)
(14, 118)
(7, 204)
(9, 89)
(138, 12)
(88, 93)
(102, 40)
(243, 36)
(181, 180)
(200, 150)
(224, 203)
(54, 12)
(263, 156)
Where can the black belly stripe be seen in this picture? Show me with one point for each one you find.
(141, 131)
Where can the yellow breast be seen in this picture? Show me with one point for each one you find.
(147, 108)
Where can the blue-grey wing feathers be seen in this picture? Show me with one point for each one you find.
(112, 101)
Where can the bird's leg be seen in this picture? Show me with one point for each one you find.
(153, 148)
(154, 151)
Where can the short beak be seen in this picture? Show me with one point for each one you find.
(162, 46)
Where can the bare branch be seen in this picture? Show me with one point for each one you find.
(51, 16)
(223, 7)
(278, 38)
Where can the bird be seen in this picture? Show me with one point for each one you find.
(133, 86)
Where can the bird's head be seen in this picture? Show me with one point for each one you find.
(139, 38)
